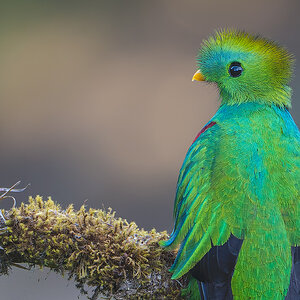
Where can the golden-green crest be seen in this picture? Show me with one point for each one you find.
(246, 68)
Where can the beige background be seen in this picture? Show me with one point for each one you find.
(97, 103)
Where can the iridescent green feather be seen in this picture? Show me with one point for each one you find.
(241, 175)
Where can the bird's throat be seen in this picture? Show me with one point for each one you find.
(280, 97)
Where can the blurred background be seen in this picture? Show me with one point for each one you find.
(97, 103)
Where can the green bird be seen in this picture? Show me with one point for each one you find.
(237, 205)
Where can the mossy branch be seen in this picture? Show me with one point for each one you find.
(92, 247)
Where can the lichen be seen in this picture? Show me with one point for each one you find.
(93, 247)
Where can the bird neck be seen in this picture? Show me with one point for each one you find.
(280, 97)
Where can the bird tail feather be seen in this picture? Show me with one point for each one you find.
(192, 291)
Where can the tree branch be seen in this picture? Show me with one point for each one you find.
(96, 249)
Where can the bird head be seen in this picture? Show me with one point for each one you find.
(246, 68)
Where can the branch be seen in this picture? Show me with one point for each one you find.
(96, 249)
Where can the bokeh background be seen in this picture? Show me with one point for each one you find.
(97, 103)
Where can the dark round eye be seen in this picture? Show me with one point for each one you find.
(235, 69)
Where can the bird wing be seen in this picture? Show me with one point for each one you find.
(198, 222)
(289, 199)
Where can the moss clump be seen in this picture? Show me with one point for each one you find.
(93, 247)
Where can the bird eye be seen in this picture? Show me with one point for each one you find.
(235, 69)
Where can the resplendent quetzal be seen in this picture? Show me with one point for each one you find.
(237, 206)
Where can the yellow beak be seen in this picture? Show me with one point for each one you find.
(198, 76)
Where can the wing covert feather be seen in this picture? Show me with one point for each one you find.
(198, 225)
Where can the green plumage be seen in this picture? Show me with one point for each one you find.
(241, 175)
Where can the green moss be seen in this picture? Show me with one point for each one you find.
(93, 247)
